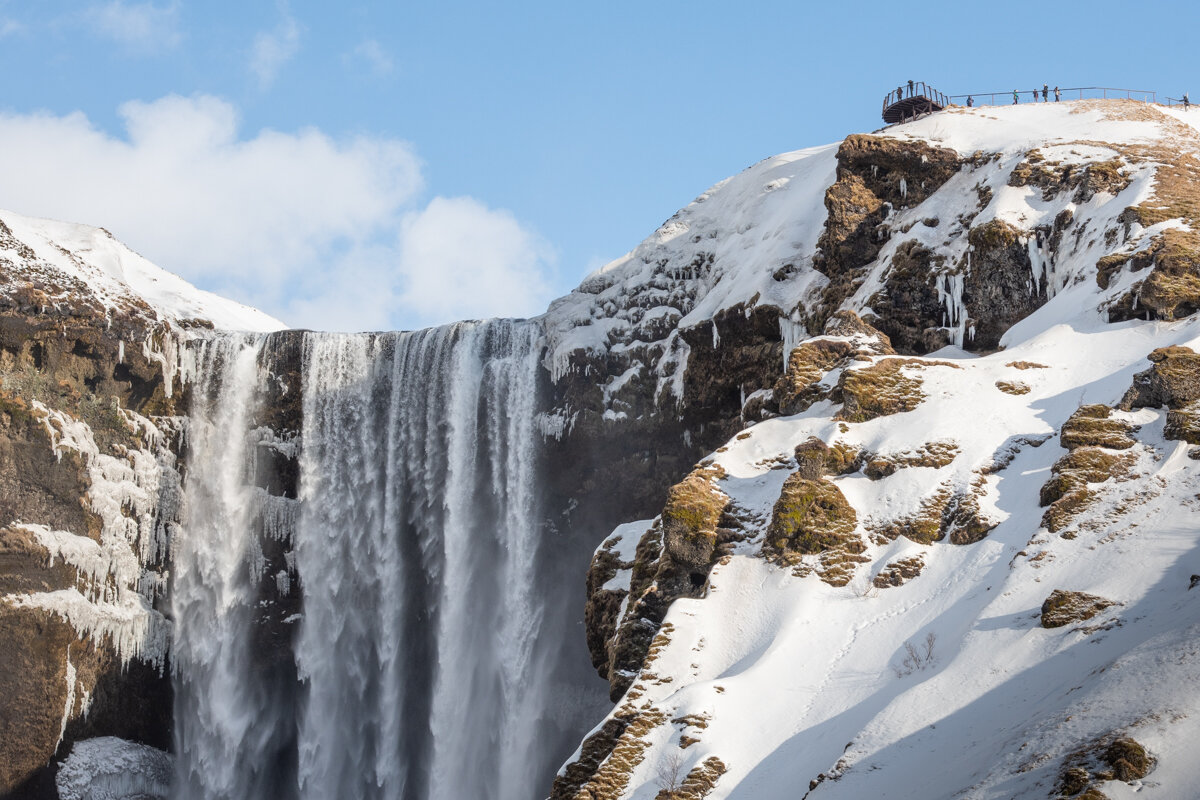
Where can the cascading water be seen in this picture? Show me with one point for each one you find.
(420, 656)
(224, 729)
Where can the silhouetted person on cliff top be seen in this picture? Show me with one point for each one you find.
(910, 89)
(1057, 94)
(1045, 93)
(1015, 100)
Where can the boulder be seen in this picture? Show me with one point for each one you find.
(1063, 607)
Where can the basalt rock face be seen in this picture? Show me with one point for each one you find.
(999, 288)
(910, 310)
(876, 176)
(58, 684)
(672, 560)
(621, 450)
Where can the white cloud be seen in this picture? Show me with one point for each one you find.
(371, 53)
(138, 26)
(274, 49)
(459, 259)
(321, 232)
(10, 27)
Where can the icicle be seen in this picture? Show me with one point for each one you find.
(70, 704)
(904, 188)
(792, 331)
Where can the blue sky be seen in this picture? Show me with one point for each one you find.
(371, 165)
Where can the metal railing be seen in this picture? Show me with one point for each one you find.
(1074, 93)
(918, 89)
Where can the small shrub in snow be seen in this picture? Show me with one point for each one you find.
(916, 658)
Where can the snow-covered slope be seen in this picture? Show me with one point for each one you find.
(751, 239)
(75, 264)
(879, 622)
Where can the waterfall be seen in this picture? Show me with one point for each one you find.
(225, 717)
(420, 659)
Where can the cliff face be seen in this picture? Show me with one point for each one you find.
(875, 548)
(59, 683)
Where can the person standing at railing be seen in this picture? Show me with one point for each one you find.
(1015, 100)
(1057, 94)
(970, 101)
(910, 89)
(1045, 93)
(1186, 102)
(899, 93)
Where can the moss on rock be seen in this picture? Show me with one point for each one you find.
(1067, 493)
(933, 455)
(672, 560)
(689, 519)
(949, 511)
(1013, 387)
(609, 756)
(810, 516)
(1113, 757)
(815, 459)
(899, 572)
(1063, 607)
(699, 782)
(1173, 380)
(1183, 424)
(1093, 426)
(1171, 290)
(1055, 177)
(884, 388)
(1128, 759)
(812, 359)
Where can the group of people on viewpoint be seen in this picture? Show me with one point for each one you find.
(1017, 95)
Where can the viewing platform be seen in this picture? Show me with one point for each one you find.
(910, 101)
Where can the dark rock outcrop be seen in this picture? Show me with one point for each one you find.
(899, 572)
(810, 516)
(999, 288)
(909, 309)
(846, 339)
(1093, 426)
(672, 560)
(1063, 607)
(875, 175)
(60, 350)
(884, 388)
(1173, 380)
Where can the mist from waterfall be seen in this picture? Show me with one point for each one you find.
(421, 661)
